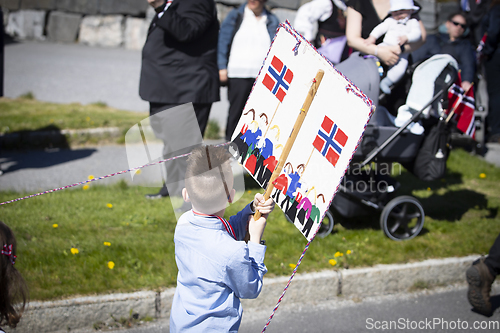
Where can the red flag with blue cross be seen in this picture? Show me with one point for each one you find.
(330, 140)
(278, 78)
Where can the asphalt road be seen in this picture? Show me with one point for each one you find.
(439, 310)
(69, 73)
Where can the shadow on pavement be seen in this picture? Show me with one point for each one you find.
(15, 160)
(41, 138)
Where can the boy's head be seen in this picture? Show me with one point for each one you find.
(401, 9)
(209, 179)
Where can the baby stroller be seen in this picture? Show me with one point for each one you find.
(365, 190)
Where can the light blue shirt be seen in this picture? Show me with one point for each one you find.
(215, 271)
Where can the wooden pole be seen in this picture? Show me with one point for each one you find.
(293, 135)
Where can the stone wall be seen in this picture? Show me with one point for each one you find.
(124, 23)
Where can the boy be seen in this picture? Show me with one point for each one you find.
(216, 267)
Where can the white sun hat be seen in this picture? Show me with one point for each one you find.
(403, 4)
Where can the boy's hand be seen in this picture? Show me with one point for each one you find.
(263, 206)
(256, 229)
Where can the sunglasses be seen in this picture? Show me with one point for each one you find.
(464, 26)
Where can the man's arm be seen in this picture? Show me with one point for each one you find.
(226, 33)
(189, 23)
(467, 64)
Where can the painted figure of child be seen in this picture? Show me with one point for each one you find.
(216, 266)
(399, 28)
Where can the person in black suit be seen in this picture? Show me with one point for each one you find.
(179, 61)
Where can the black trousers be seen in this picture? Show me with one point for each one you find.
(493, 258)
(176, 169)
(492, 71)
(202, 111)
(238, 90)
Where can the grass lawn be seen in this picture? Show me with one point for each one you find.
(27, 114)
(67, 239)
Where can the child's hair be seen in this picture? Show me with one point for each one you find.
(209, 178)
(12, 286)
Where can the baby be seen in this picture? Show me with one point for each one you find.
(399, 29)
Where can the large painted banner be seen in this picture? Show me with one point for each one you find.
(328, 137)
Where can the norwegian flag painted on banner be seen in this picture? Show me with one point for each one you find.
(278, 78)
(305, 180)
(463, 103)
(330, 140)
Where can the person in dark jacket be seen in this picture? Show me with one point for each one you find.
(244, 39)
(454, 44)
(179, 61)
(491, 58)
(474, 11)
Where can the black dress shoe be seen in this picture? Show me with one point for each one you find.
(155, 196)
(161, 194)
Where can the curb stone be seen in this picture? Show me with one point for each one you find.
(83, 312)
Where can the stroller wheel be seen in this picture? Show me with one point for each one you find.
(326, 225)
(402, 218)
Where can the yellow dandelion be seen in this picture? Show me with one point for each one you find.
(111, 265)
(482, 175)
(332, 262)
(74, 250)
(348, 252)
(338, 254)
(107, 244)
(428, 189)
(87, 119)
(90, 177)
(292, 266)
(85, 187)
(109, 205)
(55, 225)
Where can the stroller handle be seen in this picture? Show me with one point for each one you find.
(447, 84)
(399, 130)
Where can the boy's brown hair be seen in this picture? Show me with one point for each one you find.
(209, 178)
